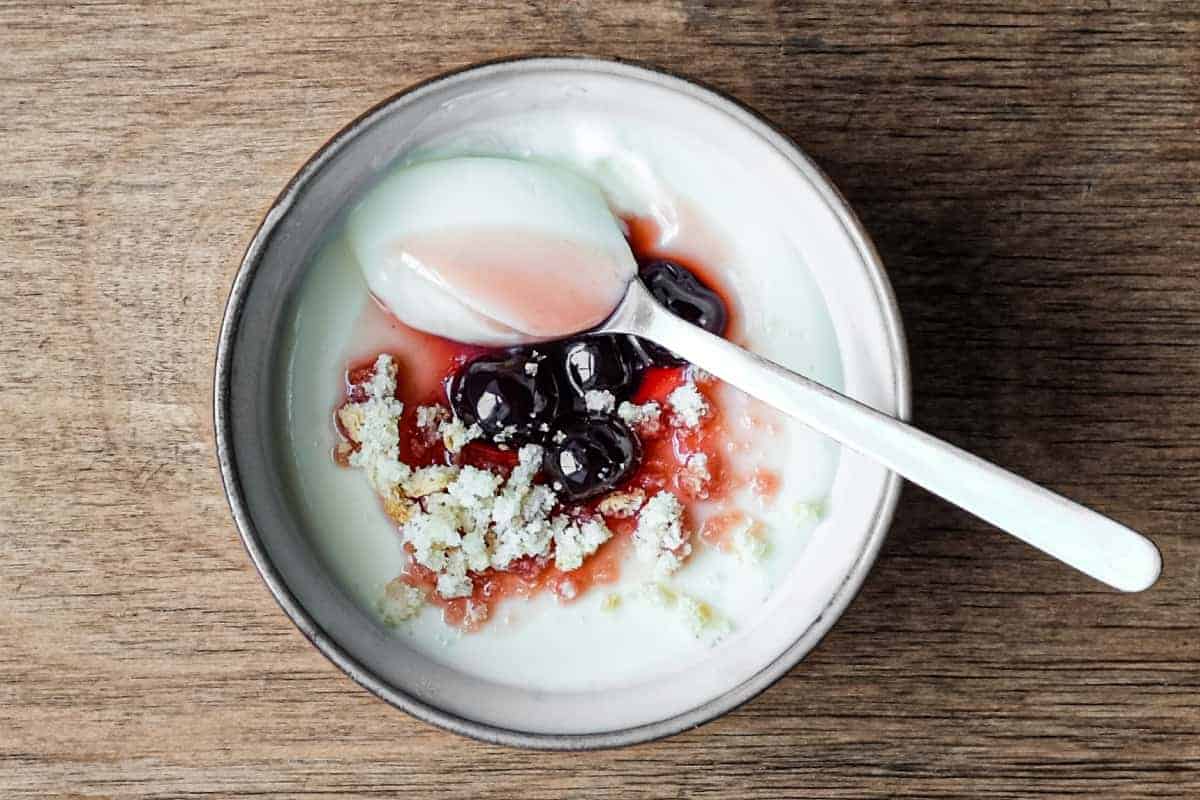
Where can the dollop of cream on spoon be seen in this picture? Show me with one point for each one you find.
(491, 251)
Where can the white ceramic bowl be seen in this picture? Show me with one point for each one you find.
(833, 564)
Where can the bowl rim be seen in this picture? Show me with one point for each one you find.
(359, 673)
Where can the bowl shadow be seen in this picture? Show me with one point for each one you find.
(987, 356)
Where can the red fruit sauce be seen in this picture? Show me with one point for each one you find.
(424, 365)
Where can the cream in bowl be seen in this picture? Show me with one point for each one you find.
(576, 542)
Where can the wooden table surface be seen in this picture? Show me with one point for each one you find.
(1031, 175)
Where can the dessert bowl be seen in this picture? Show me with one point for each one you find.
(813, 296)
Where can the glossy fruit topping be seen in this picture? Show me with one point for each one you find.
(600, 363)
(590, 455)
(512, 396)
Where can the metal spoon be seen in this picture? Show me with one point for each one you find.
(455, 293)
(1078, 536)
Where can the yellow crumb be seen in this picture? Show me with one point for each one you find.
(622, 504)
(812, 511)
(428, 480)
(398, 507)
(701, 619)
(400, 601)
(352, 416)
(750, 542)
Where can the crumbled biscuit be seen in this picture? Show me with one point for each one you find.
(599, 401)
(622, 504)
(352, 416)
(398, 507)
(456, 435)
(400, 602)
(646, 418)
(576, 541)
(750, 543)
(700, 617)
(342, 452)
(427, 480)
(812, 511)
(688, 405)
(431, 416)
(659, 537)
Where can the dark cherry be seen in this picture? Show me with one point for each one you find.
(594, 454)
(516, 389)
(685, 296)
(600, 363)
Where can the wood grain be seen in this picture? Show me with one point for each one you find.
(1030, 172)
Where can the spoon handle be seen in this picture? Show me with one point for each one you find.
(1078, 536)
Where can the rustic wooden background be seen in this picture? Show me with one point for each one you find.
(1031, 173)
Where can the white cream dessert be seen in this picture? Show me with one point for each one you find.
(491, 251)
(676, 591)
